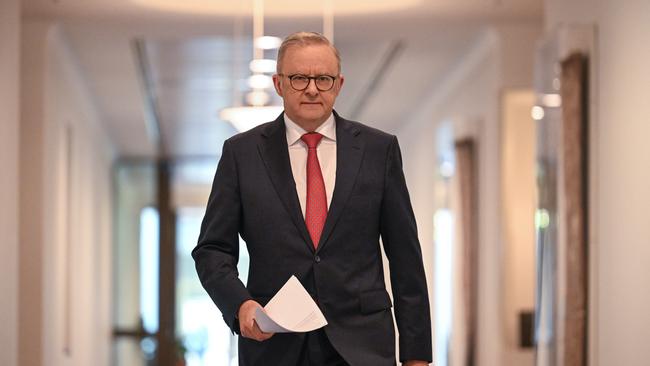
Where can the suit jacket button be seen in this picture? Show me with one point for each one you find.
(317, 259)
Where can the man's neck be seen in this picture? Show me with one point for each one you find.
(309, 125)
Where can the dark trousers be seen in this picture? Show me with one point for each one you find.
(318, 351)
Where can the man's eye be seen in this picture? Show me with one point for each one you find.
(323, 78)
(300, 78)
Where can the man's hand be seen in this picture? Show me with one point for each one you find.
(247, 325)
(415, 363)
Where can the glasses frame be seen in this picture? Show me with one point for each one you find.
(309, 79)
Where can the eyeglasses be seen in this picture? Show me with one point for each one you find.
(300, 82)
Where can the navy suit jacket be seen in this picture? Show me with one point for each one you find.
(254, 195)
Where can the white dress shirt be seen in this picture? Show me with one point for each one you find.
(326, 152)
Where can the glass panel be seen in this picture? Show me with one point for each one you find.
(135, 263)
(149, 268)
(445, 247)
(199, 324)
(443, 239)
(548, 127)
(128, 352)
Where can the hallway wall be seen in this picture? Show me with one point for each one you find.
(468, 103)
(9, 125)
(620, 178)
(477, 71)
(65, 208)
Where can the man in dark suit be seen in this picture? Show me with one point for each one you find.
(311, 193)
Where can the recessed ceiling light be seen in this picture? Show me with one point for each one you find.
(261, 66)
(537, 113)
(260, 81)
(268, 42)
(257, 98)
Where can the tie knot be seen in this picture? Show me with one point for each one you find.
(311, 139)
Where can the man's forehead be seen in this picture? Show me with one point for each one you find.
(310, 49)
(310, 57)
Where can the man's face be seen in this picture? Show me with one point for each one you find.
(309, 107)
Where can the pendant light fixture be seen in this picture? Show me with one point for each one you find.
(257, 110)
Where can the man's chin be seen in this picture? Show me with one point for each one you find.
(312, 114)
(312, 108)
(310, 118)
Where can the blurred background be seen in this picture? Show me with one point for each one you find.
(522, 124)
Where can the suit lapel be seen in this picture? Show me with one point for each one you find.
(349, 153)
(275, 154)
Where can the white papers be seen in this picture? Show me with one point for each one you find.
(291, 310)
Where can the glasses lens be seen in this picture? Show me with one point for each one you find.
(299, 82)
(324, 82)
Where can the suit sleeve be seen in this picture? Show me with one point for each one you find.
(217, 252)
(399, 236)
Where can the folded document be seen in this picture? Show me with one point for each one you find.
(291, 310)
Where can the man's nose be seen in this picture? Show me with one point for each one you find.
(311, 87)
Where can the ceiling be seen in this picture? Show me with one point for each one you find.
(192, 62)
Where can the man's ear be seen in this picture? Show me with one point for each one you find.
(341, 80)
(277, 84)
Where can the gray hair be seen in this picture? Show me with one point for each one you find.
(302, 39)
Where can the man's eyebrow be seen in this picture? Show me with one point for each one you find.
(319, 74)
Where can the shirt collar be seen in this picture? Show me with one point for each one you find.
(294, 131)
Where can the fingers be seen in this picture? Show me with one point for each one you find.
(247, 325)
(259, 334)
(253, 331)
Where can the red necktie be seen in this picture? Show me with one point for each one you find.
(316, 210)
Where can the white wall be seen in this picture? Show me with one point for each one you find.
(469, 100)
(9, 125)
(619, 319)
(518, 179)
(65, 209)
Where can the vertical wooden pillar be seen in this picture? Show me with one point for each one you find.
(467, 171)
(166, 350)
(574, 132)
